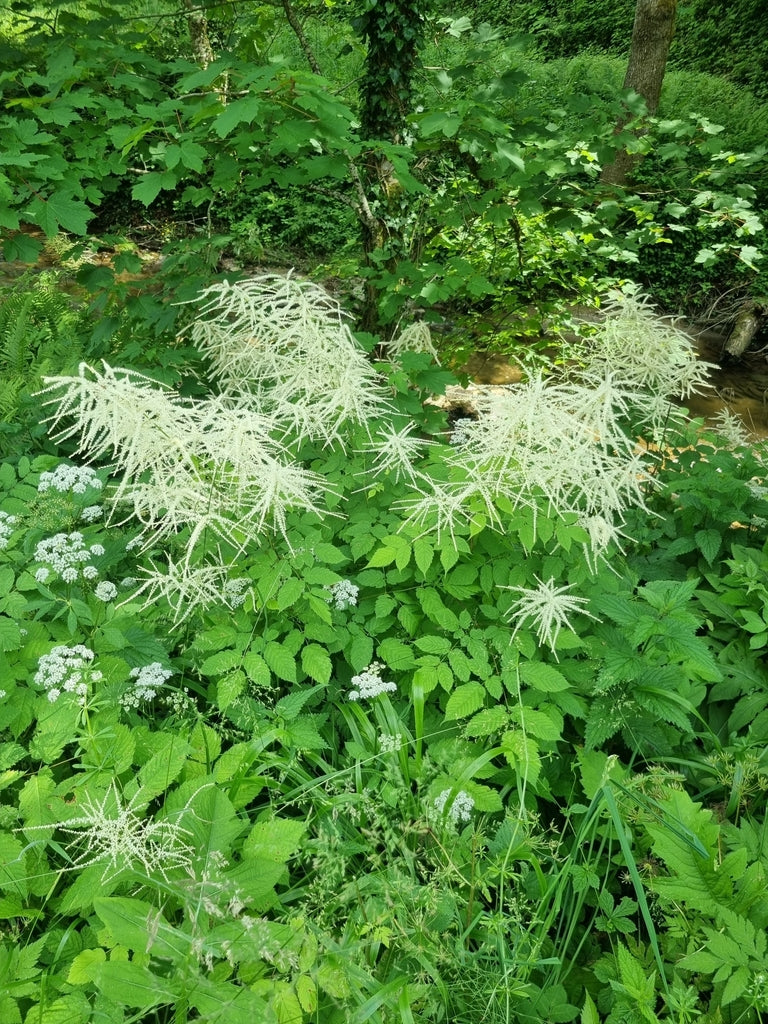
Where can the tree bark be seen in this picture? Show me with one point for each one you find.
(651, 38)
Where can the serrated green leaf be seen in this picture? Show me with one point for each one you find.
(709, 542)
(360, 652)
(275, 839)
(280, 661)
(487, 722)
(423, 553)
(289, 593)
(256, 668)
(316, 663)
(460, 664)
(432, 644)
(10, 635)
(396, 654)
(464, 701)
(221, 662)
(542, 677)
(84, 967)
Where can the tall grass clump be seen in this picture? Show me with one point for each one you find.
(317, 709)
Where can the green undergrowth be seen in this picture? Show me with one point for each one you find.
(317, 708)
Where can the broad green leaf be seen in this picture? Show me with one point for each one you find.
(163, 768)
(542, 677)
(316, 663)
(280, 661)
(84, 967)
(432, 644)
(289, 593)
(10, 635)
(423, 553)
(256, 668)
(130, 984)
(522, 753)
(60, 213)
(396, 654)
(275, 839)
(464, 701)
(487, 721)
(360, 653)
(221, 662)
(142, 927)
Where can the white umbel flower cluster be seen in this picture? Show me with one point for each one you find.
(369, 684)
(146, 682)
(343, 594)
(66, 477)
(460, 809)
(105, 591)
(66, 556)
(67, 670)
(7, 526)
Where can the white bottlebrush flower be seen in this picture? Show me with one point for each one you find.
(643, 350)
(547, 608)
(186, 587)
(395, 452)
(369, 683)
(416, 337)
(110, 832)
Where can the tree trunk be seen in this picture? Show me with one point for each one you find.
(745, 329)
(651, 38)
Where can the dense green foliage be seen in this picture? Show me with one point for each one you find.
(315, 710)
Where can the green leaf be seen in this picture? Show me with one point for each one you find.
(60, 213)
(280, 661)
(464, 701)
(542, 677)
(275, 839)
(132, 921)
(431, 644)
(360, 652)
(163, 768)
(424, 553)
(316, 663)
(130, 984)
(708, 542)
(289, 593)
(10, 636)
(256, 668)
(487, 721)
(396, 654)
(84, 967)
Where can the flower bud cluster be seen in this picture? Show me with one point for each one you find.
(66, 556)
(69, 478)
(146, 682)
(343, 594)
(67, 670)
(7, 525)
(105, 591)
(370, 684)
(460, 809)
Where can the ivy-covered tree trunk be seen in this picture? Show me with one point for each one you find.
(392, 31)
(651, 38)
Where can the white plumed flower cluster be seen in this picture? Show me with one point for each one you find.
(7, 526)
(66, 477)
(369, 684)
(218, 471)
(343, 594)
(146, 682)
(66, 556)
(67, 670)
(460, 808)
(546, 607)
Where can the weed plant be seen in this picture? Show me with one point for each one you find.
(316, 711)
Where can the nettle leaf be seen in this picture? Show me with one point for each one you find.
(464, 701)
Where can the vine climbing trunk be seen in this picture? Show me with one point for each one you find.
(652, 35)
(392, 31)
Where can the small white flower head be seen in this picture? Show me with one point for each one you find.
(369, 684)
(234, 591)
(3, 693)
(105, 591)
(66, 555)
(547, 607)
(146, 682)
(390, 743)
(7, 525)
(92, 513)
(460, 809)
(67, 670)
(66, 478)
(343, 594)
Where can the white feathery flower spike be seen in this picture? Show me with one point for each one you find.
(547, 607)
